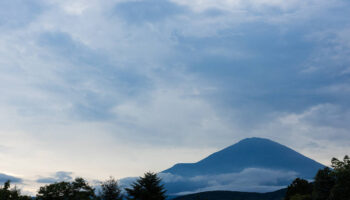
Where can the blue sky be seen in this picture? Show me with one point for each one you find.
(112, 87)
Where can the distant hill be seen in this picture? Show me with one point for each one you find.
(229, 195)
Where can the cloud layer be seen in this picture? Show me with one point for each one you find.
(248, 180)
(130, 84)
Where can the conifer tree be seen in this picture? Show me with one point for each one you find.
(148, 187)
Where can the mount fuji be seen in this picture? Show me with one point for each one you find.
(251, 165)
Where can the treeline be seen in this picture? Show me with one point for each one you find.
(329, 184)
(148, 187)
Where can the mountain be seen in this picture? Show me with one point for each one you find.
(250, 153)
(253, 164)
(230, 195)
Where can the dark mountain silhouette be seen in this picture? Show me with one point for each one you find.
(229, 195)
(250, 153)
(253, 164)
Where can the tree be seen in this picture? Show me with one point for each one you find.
(13, 194)
(5, 192)
(55, 191)
(341, 189)
(147, 188)
(79, 189)
(110, 190)
(301, 197)
(324, 182)
(299, 187)
(341, 165)
(329, 184)
(82, 190)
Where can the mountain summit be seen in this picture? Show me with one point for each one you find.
(253, 164)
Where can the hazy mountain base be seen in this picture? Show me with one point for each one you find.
(229, 195)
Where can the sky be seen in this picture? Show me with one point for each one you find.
(99, 88)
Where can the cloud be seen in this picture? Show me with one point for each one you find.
(200, 118)
(57, 177)
(16, 14)
(147, 11)
(3, 148)
(250, 179)
(134, 79)
(13, 179)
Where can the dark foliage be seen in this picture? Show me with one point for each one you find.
(110, 190)
(299, 188)
(79, 189)
(341, 173)
(148, 187)
(324, 182)
(330, 184)
(11, 194)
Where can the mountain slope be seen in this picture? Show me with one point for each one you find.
(250, 153)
